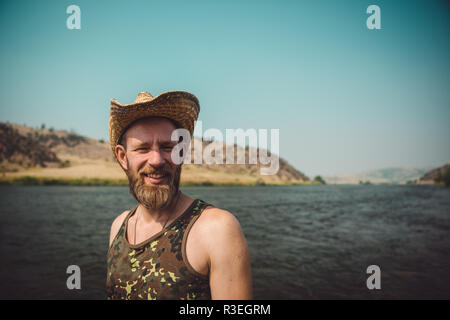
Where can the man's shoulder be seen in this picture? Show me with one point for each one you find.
(220, 235)
(213, 220)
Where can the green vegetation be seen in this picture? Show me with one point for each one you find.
(47, 181)
(443, 178)
(318, 180)
(260, 182)
(38, 181)
(238, 184)
(71, 140)
(365, 183)
(64, 164)
(6, 169)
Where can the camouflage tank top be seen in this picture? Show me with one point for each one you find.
(156, 268)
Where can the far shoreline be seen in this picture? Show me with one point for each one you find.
(109, 182)
(50, 181)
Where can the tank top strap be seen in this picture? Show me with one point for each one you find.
(124, 222)
(197, 209)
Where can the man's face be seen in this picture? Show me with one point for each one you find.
(146, 158)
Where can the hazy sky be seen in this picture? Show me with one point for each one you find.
(344, 97)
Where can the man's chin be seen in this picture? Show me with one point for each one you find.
(154, 196)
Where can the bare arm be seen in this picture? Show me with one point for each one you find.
(229, 258)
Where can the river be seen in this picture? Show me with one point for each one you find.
(306, 242)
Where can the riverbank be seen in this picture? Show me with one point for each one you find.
(101, 173)
(51, 181)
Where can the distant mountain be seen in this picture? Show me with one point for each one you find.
(385, 175)
(397, 175)
(61, 154)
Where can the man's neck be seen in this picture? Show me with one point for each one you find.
(161, 216)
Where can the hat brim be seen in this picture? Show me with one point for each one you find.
(182, 107)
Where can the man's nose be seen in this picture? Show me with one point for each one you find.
(155, 159)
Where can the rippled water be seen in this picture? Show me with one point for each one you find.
(306, 242)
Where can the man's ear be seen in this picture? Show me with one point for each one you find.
(121, 156)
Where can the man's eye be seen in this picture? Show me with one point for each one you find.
(142, 149)
(167, 148)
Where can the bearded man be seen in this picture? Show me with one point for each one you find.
(169, 246)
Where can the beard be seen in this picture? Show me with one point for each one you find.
(154, 197)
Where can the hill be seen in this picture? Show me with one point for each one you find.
(52, 155)
(436, 176)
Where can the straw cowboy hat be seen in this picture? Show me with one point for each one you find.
(179, 106)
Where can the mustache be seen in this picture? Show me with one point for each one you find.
(165, 170)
